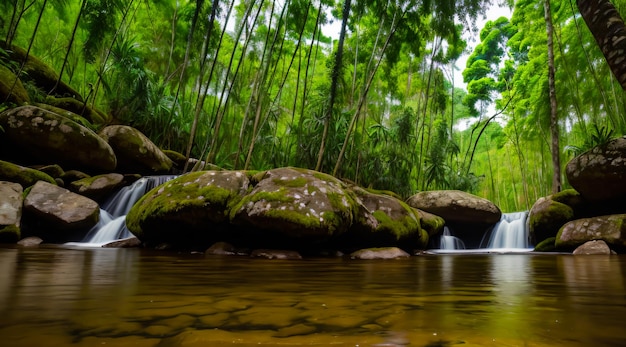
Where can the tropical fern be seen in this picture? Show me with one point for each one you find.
(600, 135)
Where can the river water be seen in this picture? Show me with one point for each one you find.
(53, 296)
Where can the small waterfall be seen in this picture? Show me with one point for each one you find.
(449, 242)
(112, 224)
(510, 232)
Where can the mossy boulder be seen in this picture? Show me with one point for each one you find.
(388, 221)
(599, 174)
(135, 152)
(431, 223)
(97, 187)
(297, 206)
(55, 209)
(42, 75)
(26, 177)
(11, 88)
(67, 114)
(546, 245)
(546, 217)
(611, 229)
(10, 211)
(79, 108)
(190, 211)
(35, 135)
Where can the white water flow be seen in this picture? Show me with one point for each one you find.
(449, 242)
(510, 233)
(112, 224)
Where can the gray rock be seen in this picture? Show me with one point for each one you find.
(97, 187)
(275, 254)
(456, 206)
(599, 174)
(61, 209)
(593, 247)
(30, 241)
(10, 211)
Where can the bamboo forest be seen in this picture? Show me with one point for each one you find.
(401, 96)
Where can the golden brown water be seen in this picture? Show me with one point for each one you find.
(129, 297)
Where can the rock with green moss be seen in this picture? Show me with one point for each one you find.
(11, 88)
(546, 245)
(55, 209)
(67, 114)
(81, 109)
(431, 223)
(135, 152)
(611, 229)
(35, 135)
(10, 211)
(97, 187)
(388, 222)
(297, 205)
(42, 75)
(26, 177)
(546, 217)
(190, 211)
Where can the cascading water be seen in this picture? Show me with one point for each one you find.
(450, 242)
(112, 226)
(510, 233)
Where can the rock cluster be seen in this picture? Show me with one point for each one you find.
(593, 210)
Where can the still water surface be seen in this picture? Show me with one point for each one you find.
(130, 297)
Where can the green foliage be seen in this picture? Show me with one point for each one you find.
(599, 136)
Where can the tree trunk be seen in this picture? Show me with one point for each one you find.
(554, 121)
(608, 28)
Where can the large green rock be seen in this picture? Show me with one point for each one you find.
(384, 221)
(135, 152)
(302, 205)
(546, 217)
(611, 229)
(11, 88)
(34, 135)
(26, 177)
(80, 108)
(189, 211)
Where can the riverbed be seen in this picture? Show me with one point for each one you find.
(60, 296)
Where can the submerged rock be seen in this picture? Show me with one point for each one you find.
(35, 135)
(10, 211)
(135, 152)
(275, 254)
(593, 247)
(380, 253)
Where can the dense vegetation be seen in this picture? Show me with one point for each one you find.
(257, 84)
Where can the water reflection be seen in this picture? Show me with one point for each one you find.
(84, 297)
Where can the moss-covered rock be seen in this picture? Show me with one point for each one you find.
(546, 245)
(26, 177)
(297, 205)
(67, 114)
(611, 229)
(135, 152)
(97, 187)
(431, 223)
(81, 109)
(42, 75)
(35, 135)
(189, 211)
(388, 222)
(546, 217)
(11, 88)
(10, 211)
